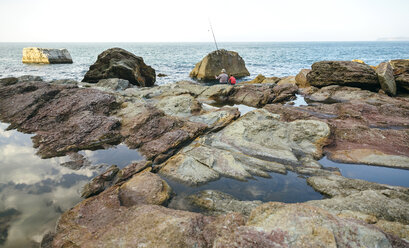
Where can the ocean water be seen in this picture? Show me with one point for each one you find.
(177, 59)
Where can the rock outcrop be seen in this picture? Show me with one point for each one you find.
(301, 78)
(64, 118)
(119, 63)
(345, 73)
(215, 61)
(254, 144)
(37, 55)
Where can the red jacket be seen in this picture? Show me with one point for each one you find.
(232, 80)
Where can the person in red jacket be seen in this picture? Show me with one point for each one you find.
(232, 80)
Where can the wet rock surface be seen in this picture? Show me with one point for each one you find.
(119, 63)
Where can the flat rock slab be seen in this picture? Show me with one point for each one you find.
(35, 55)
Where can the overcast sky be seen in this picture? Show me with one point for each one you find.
(188, 20)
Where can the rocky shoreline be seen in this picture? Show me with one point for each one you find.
(184, 138)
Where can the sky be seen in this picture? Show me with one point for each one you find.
(188, 20)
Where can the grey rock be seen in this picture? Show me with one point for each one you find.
(215, 202)
(46, 56)
(386, 78)
(113, 83)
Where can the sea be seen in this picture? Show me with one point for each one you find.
(176, 60)
(34, 192)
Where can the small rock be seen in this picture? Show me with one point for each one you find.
(144, 188)
(113, 83)
(162, 75)
(100, 183)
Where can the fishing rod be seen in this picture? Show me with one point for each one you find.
(214, 38)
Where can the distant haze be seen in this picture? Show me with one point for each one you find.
(188, 21)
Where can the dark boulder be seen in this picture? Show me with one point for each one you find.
(345, 73)
(119, 63)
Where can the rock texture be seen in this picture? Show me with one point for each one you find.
(386, 78)
(37, 55)
(215, 61)
(144, 188)
(301, 78)
(215, 203)
(113, 83)
(366, 127)
(255, 143)
(345, 73)
(64, 118)
(119, 63)
(401, 72)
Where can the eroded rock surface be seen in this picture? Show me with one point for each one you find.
(119, 63)
(345, 73)
(64, 118)
(401, 72)
(252, 145)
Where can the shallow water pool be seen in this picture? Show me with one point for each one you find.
(376, 174)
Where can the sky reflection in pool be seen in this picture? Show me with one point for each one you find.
(376, 174)
(288, 188)
(40, 189)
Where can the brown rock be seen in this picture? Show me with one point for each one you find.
(119, 63)
(156, 134)
(100, 183)
(401, 72)
(64, 118)
(301, 78)
(258, 80)
(215, 61)
(144, 188)
(346, 73)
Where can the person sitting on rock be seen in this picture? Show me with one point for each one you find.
(232, 80)
(223, 77)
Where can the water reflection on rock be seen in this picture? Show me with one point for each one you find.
(39, 189)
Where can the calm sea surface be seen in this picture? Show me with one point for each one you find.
(34, 192)
(177, 59)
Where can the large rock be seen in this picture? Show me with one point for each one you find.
(64, 118)
(301, 225)
(46, 56)
(367, 127)
(215, 61)
(156, 135)
(346, 73)
(119, 63)
(386, 78)
(254, 144)
(401, 72)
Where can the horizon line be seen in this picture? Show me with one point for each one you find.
(202, 41)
